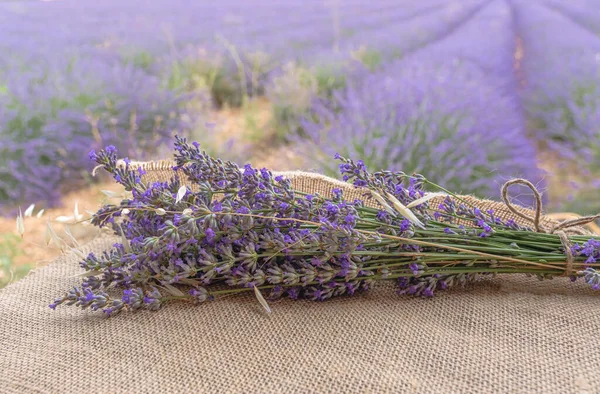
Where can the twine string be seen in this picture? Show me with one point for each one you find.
(573, 225)
(575, 222)
(538, 202)
(567, 247)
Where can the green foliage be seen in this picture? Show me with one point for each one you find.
(329, 79)
(140, 59)
(189, 75)
(9, 250)
(291, 94)
(370, 58)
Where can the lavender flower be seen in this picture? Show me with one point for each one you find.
(590, 249)
(592, 278)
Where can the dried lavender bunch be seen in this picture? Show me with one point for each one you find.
(227, 230)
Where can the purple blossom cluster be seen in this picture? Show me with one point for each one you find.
(257, 233)
(243, 228)
(592, 278)
(590, 249)
(229, 229)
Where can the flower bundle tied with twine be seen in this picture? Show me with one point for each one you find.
(206, 228)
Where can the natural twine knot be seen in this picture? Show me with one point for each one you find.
(573, 225)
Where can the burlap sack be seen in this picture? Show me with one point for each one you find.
(504, 334)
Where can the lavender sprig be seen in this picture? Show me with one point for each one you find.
(227, 230)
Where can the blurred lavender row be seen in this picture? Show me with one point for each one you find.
(450, 110)
(560, 84)
(466, 92)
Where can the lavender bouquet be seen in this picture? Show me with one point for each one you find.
(215, 229)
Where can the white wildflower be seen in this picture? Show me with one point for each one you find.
(20, 224)
(96, 168)
(71, 237)
(261, 299)
(65, 219)
(424, 199)
(404, 211)
(181, 193)
(383, 203)
(29, 211)
(109, 193)
(51, 236)
(76, 213)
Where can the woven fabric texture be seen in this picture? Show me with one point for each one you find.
(507, 334)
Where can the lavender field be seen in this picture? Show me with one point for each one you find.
(469, 93)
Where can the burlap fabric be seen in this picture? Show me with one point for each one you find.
(505, 334)
(509, 334)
